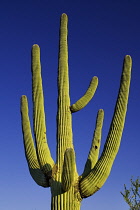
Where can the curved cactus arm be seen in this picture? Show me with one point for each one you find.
(95, 147)
(84, 100)
(68, 169)
(30, 151)
(98, 175)
(39, 177)
(44, 157)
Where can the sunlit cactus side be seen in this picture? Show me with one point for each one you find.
(67, 187)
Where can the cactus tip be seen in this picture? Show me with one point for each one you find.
(101, 110)
(64, 16)
(95, 78)
(23, 98)
(35, 46)
(128, 57)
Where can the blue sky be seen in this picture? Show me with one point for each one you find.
(101, 33)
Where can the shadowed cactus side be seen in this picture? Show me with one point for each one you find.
(67, 187)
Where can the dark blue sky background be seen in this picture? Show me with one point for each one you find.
(101, 33)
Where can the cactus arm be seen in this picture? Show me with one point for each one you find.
(30, 151)
(44, 157)
(84, 100)
(68, 169)
(95, 147)
(98, 175)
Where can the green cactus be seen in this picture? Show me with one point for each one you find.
(67, 187)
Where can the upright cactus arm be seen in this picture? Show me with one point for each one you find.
(95, 147)
(44, 157)
(30, 151)
(98, 175)
(39, 160)
(84, 100)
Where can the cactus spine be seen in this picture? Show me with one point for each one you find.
(67, 187)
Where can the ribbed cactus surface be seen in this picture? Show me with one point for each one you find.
(67, 187)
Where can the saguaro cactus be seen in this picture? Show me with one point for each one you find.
(67, 187)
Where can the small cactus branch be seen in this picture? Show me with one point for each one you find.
(84, 100)
(98, 175)
(30, 151)
(95, 147)
(68, 169)
(44, 157)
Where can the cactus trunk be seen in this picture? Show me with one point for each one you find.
(64, 121)
(64, 200)
(67, 187)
